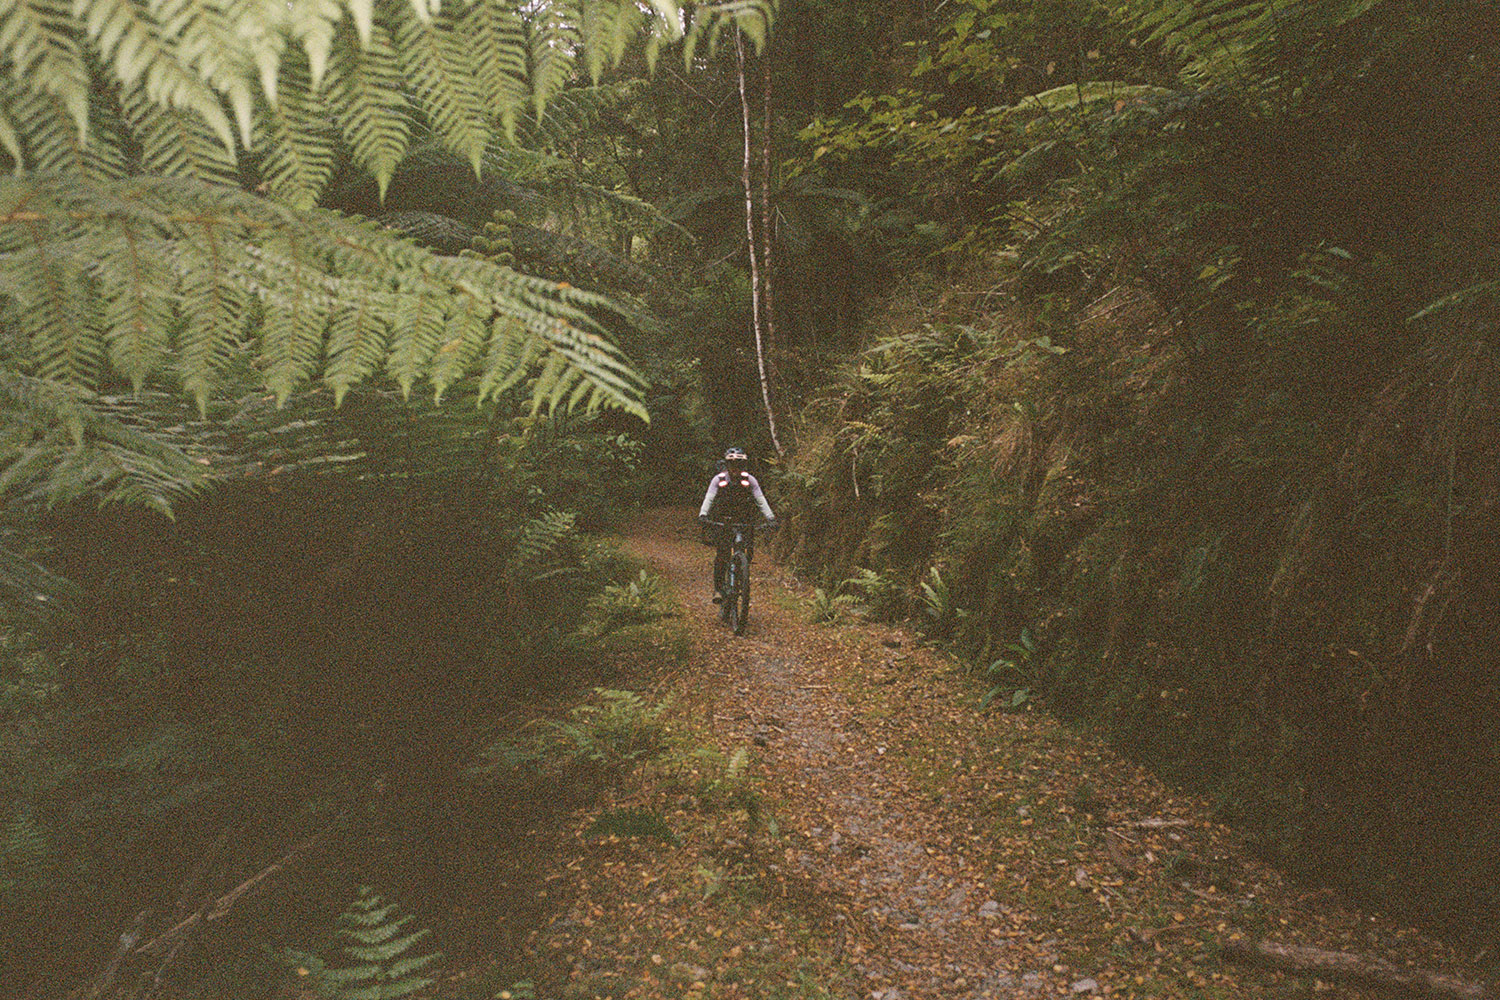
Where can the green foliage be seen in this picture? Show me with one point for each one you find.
(826, 609)
(621, 727)
(879, 593)
(360, 66)
(724, 782)
(379, 948)
(939, 608)
(636, 602)
(633, 822)
(1014, 675)
(1208, 427)
(545, 548)
(83, 288)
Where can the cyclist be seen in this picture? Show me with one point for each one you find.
(733, 496)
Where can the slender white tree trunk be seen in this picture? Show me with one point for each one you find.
(767, 218)
(755, 303)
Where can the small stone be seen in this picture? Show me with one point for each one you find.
(990, 908)
(1085, 986)
(684, 972)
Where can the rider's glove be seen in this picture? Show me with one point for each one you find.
(702, 518)
(772, 524)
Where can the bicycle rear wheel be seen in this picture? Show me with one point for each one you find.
(740, 599)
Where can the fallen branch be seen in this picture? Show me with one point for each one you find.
(1339, 965)
(221, 906)
(1158, 824)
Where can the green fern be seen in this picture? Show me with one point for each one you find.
(379, 947)
(1226, 39)
(622, 727)
(73, 236)
(541, 545)
(197, 70)
(635, 602)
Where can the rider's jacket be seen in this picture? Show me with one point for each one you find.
(734, 496)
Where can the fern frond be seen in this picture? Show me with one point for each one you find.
(178, 143)
(539, 543)
(385, 968)
(553, 43)
(49, 141)
(295, 140)
(136, 320)
(369, 103)
(232, 247)
(1219, 39)
(60, 443)
(297, 309)
(40, 42)
(435, 59)
(496, 49)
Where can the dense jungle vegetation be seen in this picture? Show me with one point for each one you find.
(1143, 351)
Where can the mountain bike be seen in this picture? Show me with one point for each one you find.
(735, 611)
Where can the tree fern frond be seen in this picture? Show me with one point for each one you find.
(496, 50)
(50, 142)
(60, 443)
(356, 345)
(295, 140)
(444, 234)
(417, 333)
(606, 29)
(166, 59)
(314, 25)
(711, 20)
(60, 326)
(176, 142)
(40, 42)
(437, 66)
(10, 141)
(554, 43)
(369, 105)
(463, 338)
(297, 310)
(136, 317)
(105, 154)
(1226, 38)
(214, 308)
(297, 265)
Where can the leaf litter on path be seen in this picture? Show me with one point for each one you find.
(900, 845)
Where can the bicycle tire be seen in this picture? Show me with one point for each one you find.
(741, 597)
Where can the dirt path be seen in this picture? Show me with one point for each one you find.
(898, 866)
(921, 849)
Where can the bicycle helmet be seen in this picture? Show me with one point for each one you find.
(734, 453)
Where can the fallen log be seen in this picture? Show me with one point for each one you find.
(1362, 969)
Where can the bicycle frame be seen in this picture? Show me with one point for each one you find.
(736, 604)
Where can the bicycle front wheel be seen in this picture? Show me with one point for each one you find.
(741, 597)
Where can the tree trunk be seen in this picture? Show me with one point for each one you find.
(767, 215)
(755, 304)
